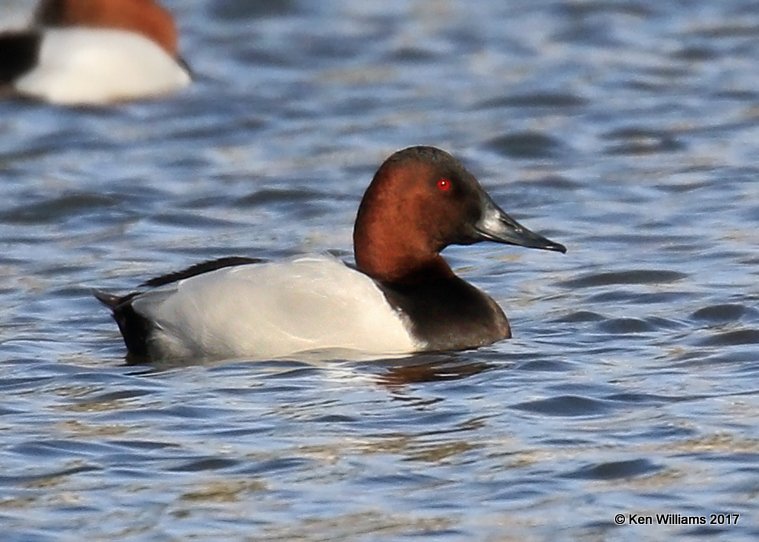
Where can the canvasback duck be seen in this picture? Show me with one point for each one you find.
(93, 52)
(401, 297)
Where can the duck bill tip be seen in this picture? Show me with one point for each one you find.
(555, 247)
(525, 238)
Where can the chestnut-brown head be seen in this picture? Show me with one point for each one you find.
(420, 201)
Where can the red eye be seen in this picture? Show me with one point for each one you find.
(444, 184)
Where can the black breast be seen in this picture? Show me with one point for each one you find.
(448, 313)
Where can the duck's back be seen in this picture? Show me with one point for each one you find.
(269, 310)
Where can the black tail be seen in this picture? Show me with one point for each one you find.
(134, 327)
(19, 52)
(109, 300)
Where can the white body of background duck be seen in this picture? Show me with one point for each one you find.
(91, 52)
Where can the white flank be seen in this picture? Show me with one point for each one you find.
(274, 310)
(94, 66)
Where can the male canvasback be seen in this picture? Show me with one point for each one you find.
(93, 52)
(401, 297)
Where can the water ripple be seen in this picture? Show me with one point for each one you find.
(633, 276)
(525, 145)
(566, 405)
(616, 469)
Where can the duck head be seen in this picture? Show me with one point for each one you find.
(420, 201)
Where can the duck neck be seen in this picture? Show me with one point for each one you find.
(392, 255)
(402, 270)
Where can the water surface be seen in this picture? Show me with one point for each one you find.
(626, 131)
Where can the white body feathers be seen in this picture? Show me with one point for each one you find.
(272, 310)
(99, 66)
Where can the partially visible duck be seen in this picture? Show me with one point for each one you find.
(401, 297)
(93, 52)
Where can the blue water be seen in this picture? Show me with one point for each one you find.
(627, 131)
